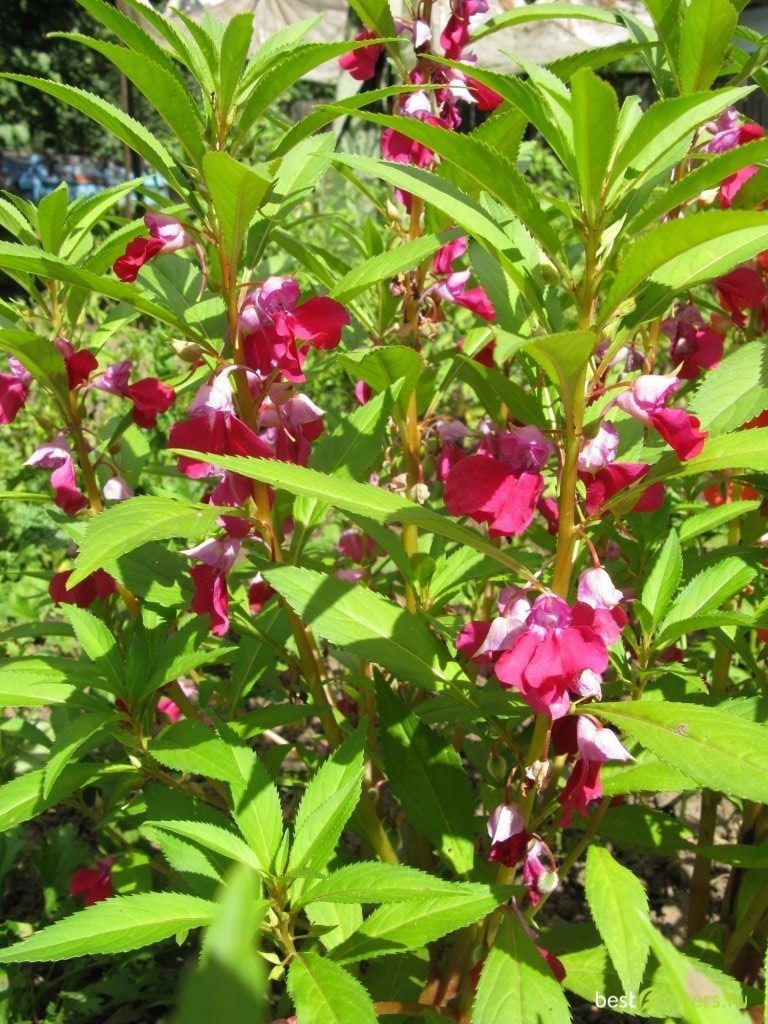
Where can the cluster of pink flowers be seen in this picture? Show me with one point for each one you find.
(548, 650)
(277, 332)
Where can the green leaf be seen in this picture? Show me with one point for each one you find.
(615, 895)
(51, 218)
(681, 253)
(98, 644)
(595, 125)
(235, 44)
(228, 983)
(40, 356)
(516, 984)
(705, 36)
(394, 366)
(711, 519)
(663, 579)
(564, 358)
(78, 734)
(708, 745)
(709, 589)
(488, 383)
(190, 746)
(237, 192)
(700, 1000)
(376, 15)
(114, 926)
(162, 86)
(402, 926)
(422, 768)
(735, 391)
(22, 798)
(747, 449)
(358, 499)
(372, 882)
(354, 446)
(364, 623)
(324, 993)
(211, 837)
(539, 12)
(134, 522)
(34, 680)
(386, 265)
(327, 806)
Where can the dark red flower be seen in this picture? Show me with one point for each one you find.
(99, 585)
(138, 252)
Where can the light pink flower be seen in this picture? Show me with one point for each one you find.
(55, 455)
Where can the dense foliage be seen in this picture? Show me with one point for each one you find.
(404, 534)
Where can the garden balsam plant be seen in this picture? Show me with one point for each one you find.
(479, 613)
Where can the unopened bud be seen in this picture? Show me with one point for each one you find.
(189, 351)
(547, 882)
(496, 767)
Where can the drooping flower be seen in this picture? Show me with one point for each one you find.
(452, 284)
(55, 455)
(693, 346)
(166, 234)
(217, 555)
(14, 389)
(592, 745)
(611, 480)
(149, 396)
(483, 641)
(361, 63)
(599, 451)
(645, 401)
(740, 290)
(509, 836)
(597, 592)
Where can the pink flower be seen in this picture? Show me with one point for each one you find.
(453, 287)
(215, 433)
(694, 346)
(211, 596)
(358, 547)
(272, 323)
(599, 451)
(548, 657)
(166, 234)
(525, 448)
(55, 455)
(486, 490)
(259, 592)
(14, 389)
(483, 641)
(645, 400)
(509, 837)
(594, 745)
(613, 479)
(150, 397)
(93, 884)
(597, 592)
(361, 63)
(168, 230)
(117, 489)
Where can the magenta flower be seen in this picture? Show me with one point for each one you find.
(98, 586)
(592, 745)
(489, 492)
(550, 654)
(55, 455)
(740, 290)
(361, 63)
(150, 397)
(645, 400)
(277, 332)
(453, 286)
(93, 884)
(613, 479)
(509, 836)
(693, 346)
(166, 234)
(14, 389)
